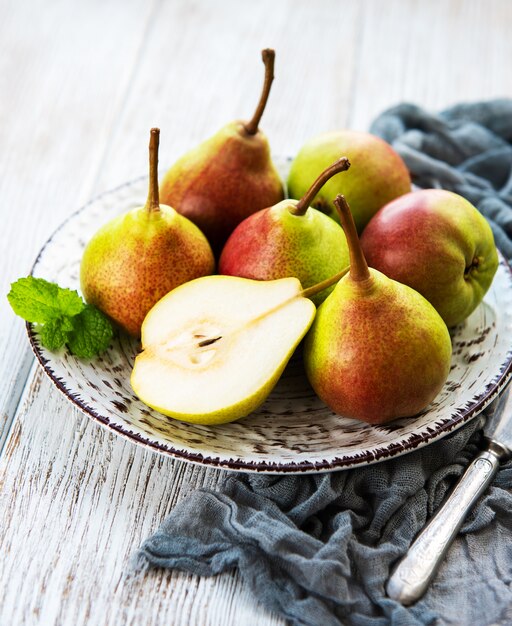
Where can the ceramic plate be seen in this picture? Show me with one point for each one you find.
(293, 431)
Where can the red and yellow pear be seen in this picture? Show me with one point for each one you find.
(377, 349)
(139, 256)
(289, 239)
(227, 177)
(438, 243)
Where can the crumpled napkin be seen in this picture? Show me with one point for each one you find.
(318, 549)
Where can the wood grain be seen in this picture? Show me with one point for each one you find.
(80, 512)
(80, 86)
(59, 103)
(204, 69)
(430, 53)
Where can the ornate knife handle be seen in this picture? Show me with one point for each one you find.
(414, 572)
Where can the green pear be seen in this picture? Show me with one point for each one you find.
(227, 177)
(438, 243)
(289, 239)
(377, 176)
(214, 348)
(377, 349)
(141, 255)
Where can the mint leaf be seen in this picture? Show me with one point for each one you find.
(91, 333)
(61, 315)
(53, 335)
(37, 300)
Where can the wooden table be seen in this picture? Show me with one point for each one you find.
(80, 85)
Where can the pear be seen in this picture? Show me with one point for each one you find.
(378, 175)
(139, 256)
(214, 348)
(289, 239)
(227, 177)
(377, 349)
(438, 243)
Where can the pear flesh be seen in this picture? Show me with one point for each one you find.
(206, 356)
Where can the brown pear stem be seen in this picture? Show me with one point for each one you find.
(325, 284)
(358, 266)
(268, 55)
(341, 165)
(153, 201)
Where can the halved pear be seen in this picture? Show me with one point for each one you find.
(214, 348)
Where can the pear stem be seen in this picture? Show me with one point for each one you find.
(358, 266)
(325, 284)
(153, 201)
(268, 55)
(341, 165)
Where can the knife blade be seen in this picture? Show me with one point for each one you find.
(413, 574)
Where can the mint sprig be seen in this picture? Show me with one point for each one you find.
(62, 317)
(91, 333)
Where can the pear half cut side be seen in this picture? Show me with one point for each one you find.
(214, 348)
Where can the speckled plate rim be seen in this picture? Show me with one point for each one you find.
(478, 404)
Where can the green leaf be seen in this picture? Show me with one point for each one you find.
(91, 334)
(62, 316)
(67, 323)
(37, 300)
(54, 334)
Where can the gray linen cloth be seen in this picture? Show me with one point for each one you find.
(318, 549)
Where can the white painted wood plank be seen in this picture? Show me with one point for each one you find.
(72, 519)
(18, 361)
(64, 73)
(431, 53)
(204, 69)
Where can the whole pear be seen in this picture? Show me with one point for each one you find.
(138, 257)
(289, 239)
(377, 349)
(377, 176)
(438, 243)
(227, 177)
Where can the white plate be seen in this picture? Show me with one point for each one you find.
(293, 431)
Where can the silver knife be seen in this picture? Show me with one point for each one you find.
(413, 574)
